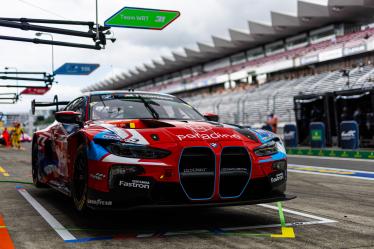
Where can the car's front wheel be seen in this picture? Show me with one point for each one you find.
(35, 166)
(80, 180)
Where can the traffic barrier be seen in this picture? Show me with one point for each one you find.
(317, 135)
(290, 135)
(358, 154)
(349, 135)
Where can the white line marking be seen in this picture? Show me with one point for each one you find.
(285, 210)
(292, 224)
(327, 174)
(59, 229)
(317, 220)
(327, 168)
(332, 173)
(332, 158)
(66, 235)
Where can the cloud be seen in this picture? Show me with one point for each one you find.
(199, 20)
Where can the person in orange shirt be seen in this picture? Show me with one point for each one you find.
(6, 137)
(273, 122)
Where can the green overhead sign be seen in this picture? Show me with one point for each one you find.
(139, 18)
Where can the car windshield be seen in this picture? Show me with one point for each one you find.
(140, 106)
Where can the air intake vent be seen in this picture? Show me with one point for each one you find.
(197, 172)
(235, 171)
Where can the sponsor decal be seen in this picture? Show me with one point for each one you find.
(289, 135)
(211, 136)
(111, 137)
(131, 140)
(98, 176)
(199, 128)
(135, 184)
(233, 169)
(355, 49)
(129, 136)
(316, 135)
(100, 202)
(107, 96)
(144, 95)
(264, 135)
(277, 178)
(348, 135)
(195, 170)
(214, 145)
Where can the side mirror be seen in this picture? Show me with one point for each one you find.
(68, 117)
(211, 117)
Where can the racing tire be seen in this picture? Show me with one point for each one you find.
(80, 180)
(35, 166)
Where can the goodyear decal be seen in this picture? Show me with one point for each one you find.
(365, 175)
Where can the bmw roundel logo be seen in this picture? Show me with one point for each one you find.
(214, 145)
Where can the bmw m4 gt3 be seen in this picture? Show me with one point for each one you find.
(120, 150)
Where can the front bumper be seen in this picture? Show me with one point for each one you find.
(147, 193)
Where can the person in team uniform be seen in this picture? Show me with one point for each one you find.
(6, 137)
(16, 136)
(272, 121)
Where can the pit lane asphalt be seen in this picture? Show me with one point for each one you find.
(348, 201)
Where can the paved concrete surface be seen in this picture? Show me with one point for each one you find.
(342, 163)
(349, 202)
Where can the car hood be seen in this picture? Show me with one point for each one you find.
(166, 131)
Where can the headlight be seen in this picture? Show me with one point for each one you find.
(136, 151)
(267, 149)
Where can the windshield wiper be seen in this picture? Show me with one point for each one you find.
(150, 108)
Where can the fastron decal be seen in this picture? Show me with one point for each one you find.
(135, 184)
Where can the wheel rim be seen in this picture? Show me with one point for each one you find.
(80, 178)
(34, 163)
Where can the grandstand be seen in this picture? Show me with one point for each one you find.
(323, 48)
(251, 106)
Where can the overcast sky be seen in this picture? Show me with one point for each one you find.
(198, 21)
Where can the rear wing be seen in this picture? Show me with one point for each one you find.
(55, 102)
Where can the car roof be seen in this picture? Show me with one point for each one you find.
(125, 91)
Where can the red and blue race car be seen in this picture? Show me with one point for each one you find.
(126, 149)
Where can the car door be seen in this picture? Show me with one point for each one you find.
(60, 136)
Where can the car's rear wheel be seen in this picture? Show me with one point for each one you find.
(35, 166)
(80, 180)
